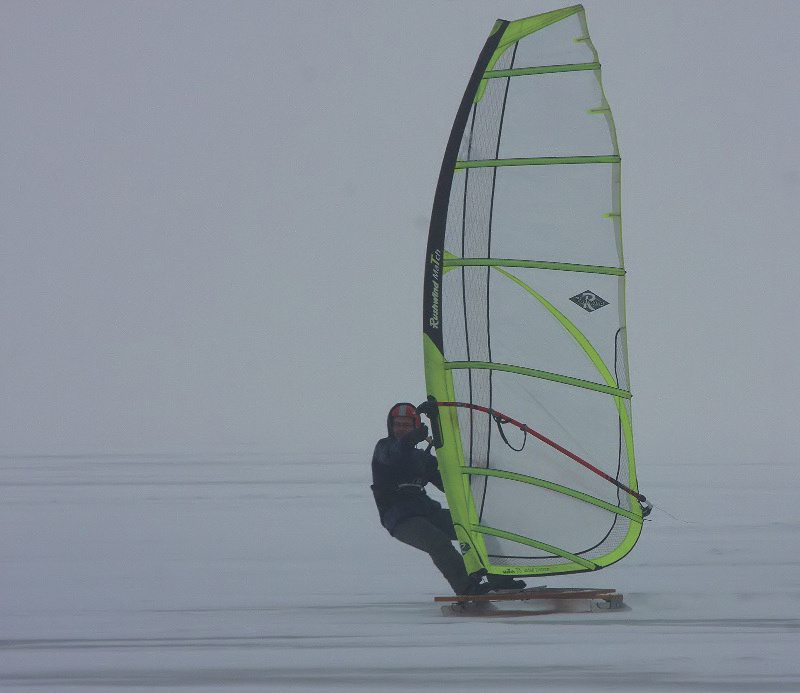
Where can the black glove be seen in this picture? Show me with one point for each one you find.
(417, 435)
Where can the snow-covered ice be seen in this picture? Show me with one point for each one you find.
(253, 572)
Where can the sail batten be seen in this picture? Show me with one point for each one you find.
(524, 310)
(558, 488)
(541, 70)
(538, 264)
(534, 373)
(538, 161)
(534, 543)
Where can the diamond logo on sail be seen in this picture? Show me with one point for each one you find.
(589, 301)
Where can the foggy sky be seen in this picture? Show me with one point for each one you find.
(214, 218)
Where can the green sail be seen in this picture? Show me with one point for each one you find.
(524, 310)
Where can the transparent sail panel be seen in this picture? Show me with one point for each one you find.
(552, 115)
(582, 421)
(529, 219)
(568, 327)
(561, 43)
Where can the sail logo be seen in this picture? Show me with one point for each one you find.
(436, 272)
(465, 547)
(589, 301)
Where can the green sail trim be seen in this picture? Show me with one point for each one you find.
(439, 382)
(527, 541)
(558, 488)
(539, 161)
(518, 29)
(535, 373)
(543, 70)
(453, 261)
(521, 28)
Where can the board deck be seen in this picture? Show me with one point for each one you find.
(545, 601)
(606, 594)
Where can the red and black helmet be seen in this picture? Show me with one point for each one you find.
(403, 409)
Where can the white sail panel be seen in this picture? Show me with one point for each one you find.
(498, 301)
(561, 43)
(555, 114)
(528, 217)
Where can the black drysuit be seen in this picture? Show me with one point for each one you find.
(399, 474)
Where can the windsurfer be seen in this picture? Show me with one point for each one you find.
(400, 472)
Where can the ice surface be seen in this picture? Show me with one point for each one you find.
(272, 573)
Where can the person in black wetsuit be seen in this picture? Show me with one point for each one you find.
(400, 472)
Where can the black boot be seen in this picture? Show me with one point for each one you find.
(504, 583)
(475, 586)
